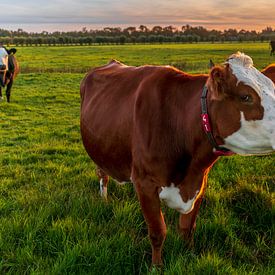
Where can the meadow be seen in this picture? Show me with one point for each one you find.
(52, 219)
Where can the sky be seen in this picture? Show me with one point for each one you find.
(38, 15)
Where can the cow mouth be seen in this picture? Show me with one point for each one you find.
(255, 151)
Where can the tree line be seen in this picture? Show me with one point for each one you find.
(141, 34)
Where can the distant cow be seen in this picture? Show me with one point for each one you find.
(272, 46)
(163, 129)
(9, 68)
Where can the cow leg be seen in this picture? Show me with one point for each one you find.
(150, 205)
(8, 90)
(187, 222)
(1, 96)
(103, 182)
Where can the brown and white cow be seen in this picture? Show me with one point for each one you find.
(269, 71)
(163, 129)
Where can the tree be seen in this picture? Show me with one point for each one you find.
(169, 29)
(157, 29)
(122, 39)
(143, 28)
(130, 30)
(142, 34)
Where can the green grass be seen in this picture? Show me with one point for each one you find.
(52, 219)
(189, 57)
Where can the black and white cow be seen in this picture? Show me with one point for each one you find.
(9, 68)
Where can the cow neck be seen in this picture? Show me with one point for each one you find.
(217, 150)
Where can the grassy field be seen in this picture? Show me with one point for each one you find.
(52, 219)
(190, 57)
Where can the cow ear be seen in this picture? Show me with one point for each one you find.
(211, 64)
(217, 82)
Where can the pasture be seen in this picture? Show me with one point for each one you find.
(52, 219)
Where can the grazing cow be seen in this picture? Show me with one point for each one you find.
(9, 69)
(163, 129)
(272, 46)
(269, 71)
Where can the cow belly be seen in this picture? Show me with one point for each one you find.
(111, 155)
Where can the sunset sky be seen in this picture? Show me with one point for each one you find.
(218, 14)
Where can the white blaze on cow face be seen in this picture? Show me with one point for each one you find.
(254, 136)
(171, 196)
(3, 57)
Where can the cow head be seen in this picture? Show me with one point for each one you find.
(242, 106)
(3, 65)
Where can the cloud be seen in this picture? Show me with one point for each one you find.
(177, 12)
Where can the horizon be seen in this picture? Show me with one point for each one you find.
(67, 27)
(73, 15)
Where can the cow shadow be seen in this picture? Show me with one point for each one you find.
(253, 209)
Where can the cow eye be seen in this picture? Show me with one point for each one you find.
(246, 98)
